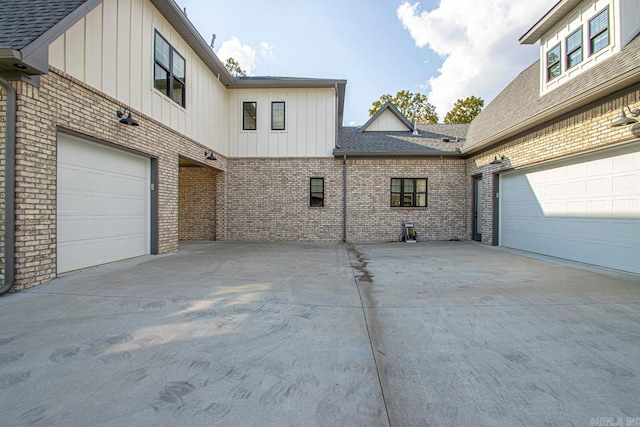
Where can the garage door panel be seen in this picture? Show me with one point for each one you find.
(103, 204)
(586, 210)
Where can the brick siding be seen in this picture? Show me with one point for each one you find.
(197, 203)
(584, 130)
(64, 102)
(370, 216)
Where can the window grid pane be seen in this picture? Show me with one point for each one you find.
(599, 31)
(316, 187)
(277, 115)
(169, 71)
(553, 63)
(249, 110)
(408, 192)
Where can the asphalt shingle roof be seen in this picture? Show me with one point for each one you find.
(521, 99)
(22, 22)
(351, 141)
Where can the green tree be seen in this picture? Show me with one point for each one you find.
(412, 105)
(464, 110)
(234, 68)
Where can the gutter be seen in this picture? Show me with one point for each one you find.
(344, 198)
(9, 188)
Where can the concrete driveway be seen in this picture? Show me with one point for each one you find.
(222, 333)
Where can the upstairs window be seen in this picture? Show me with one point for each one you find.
(316, 192)
(169, 71)
(249, 114)
(574, 48)
(553, 63)
(409, 192)
(599, 31)
(277, 115)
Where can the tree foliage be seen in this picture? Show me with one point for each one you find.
(412, 105)
(464, 110)
(234, 68)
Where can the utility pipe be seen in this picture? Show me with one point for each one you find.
(344, 198)
(9, 188)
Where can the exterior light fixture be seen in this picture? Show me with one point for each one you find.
(624, 120)
(497, 160)
(209, 155)
(130, 121)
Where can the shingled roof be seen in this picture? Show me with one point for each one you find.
(22, 22)
(431, 141)
(520, 107)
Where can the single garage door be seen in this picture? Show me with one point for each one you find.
(103, 204)
(586, 210)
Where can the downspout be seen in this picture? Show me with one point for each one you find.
(344, 198)
(9, 188)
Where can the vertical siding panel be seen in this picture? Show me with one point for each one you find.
(146, 80)
(56, 53)
(136, 56)
(312, 124)
(123, 77)
(321, 132)
(93, 48)
(302, 125)
(74, 49)
(109, 53)
(292, 122)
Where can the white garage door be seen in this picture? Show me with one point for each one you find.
(103, 204)
(585, 210)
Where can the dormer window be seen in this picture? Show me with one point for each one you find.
(599, 31)
(554, 67)
(574, 48)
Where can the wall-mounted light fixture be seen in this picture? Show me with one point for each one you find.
(130, 121)
(497, 160)
(209, 155)
(624, 120)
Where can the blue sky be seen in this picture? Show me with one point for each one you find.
(446, 49)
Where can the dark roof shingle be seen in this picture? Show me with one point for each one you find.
(429, 142)
(22, 22)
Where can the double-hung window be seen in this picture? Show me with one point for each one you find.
(409, 192)
(554, 67)
(316, 192)
(277, 115)
(599, 32)
(249, 115)
(574, 48)
(169, 71)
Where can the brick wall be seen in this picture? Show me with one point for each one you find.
(586, 129)
(268, 199)
(370, 216)
(197, 203)
(64, 102)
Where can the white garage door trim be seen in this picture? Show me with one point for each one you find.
(585, 209)
(103, 204)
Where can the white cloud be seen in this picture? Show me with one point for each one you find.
(266, 50)
(244, 54)
(478, 42)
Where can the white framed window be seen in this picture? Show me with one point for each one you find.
(574, 48)
(554, 68)
(599, 32)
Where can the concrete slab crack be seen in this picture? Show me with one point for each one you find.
(370, 321)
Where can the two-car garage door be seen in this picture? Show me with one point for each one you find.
(103, 204)
(586, 209)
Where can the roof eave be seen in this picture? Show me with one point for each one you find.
(551, 18)
(176, 17)
(598, 92)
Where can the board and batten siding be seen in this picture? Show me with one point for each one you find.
(112, 50)
(310, 123)
(387, 122)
